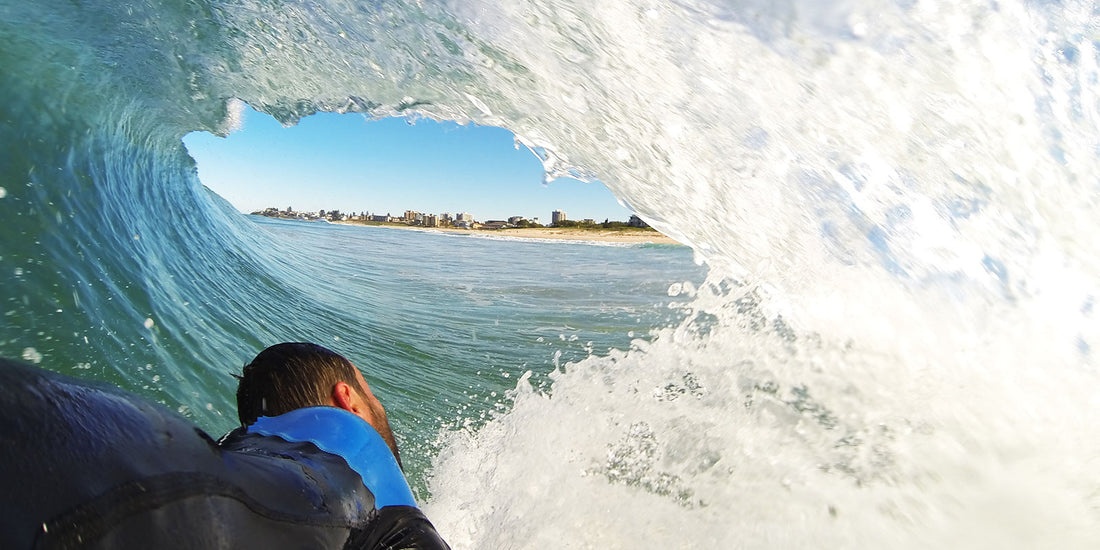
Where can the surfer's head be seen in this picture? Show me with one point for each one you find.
(293, 375)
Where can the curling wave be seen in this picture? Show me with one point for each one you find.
(896, 202)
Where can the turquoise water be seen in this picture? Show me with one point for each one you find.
(444, 325)
(891, 342)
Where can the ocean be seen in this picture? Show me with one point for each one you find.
(883, 331)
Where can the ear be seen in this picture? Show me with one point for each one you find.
(343, 397)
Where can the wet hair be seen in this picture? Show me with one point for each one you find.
(290, 376)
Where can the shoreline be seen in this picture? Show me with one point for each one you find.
(546, 233)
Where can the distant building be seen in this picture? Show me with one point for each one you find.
(635, 221)
(411, 216)
(430, 220)
(446, 219)
(557, 216)
(380, 218)
(496, 224)
(516, 219)
(464, 217)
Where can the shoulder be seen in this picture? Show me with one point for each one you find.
(345, 435)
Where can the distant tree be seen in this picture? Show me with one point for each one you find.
(566, 223)
(321, 214)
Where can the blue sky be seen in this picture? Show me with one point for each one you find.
(353, 164)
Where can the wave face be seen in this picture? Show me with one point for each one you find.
(897, 203)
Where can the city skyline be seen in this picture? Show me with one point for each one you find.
(555, 215)
(460, 220)
(385, 165)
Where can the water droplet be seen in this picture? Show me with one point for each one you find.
(32, 355)
(148, 323)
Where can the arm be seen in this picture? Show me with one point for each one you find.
(396, 527)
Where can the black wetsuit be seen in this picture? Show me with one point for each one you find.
(85, 465)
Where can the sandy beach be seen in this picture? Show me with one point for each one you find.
(602, 235)
(558, 233)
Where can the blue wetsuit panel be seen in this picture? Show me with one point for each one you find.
(342, 433)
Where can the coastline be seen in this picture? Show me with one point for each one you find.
(548, 233)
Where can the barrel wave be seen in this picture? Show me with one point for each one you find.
(896, 203)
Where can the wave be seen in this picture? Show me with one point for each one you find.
(896, 202)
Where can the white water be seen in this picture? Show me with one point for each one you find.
(705, 441)
(911, 187)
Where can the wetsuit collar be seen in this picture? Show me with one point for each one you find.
(341, 433)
